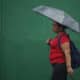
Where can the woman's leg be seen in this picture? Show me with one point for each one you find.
(59, 72)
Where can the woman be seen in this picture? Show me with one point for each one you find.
(60, 57)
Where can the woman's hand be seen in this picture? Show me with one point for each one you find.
(70, 71)
(48, 40)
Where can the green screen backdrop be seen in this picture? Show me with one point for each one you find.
(23, 52)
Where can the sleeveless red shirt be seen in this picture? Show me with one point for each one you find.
(56, 54)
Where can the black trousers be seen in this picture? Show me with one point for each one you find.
(59, 72)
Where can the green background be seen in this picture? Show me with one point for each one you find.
(23, 52)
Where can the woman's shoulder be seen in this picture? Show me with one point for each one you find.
(65, 38)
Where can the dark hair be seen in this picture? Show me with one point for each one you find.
(63, 26)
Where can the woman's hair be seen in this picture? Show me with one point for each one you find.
(63, 26)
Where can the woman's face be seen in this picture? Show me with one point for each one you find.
(56, 27)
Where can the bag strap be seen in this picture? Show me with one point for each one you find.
(59, 39)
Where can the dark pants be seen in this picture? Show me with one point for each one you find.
(59, 72)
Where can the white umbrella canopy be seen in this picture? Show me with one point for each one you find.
(59, 16)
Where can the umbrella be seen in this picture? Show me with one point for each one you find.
(59, 16)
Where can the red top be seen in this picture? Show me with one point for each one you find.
(56, 54)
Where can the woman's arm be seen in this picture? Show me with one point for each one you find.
(66, 50)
